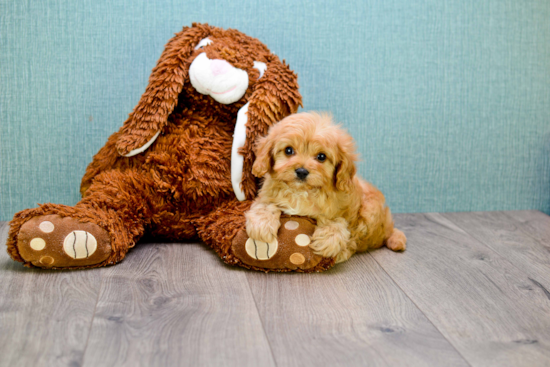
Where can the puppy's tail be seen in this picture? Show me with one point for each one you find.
(395, 239)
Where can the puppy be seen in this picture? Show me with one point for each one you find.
(309, 168)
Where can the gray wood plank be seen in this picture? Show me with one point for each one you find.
(534, 224)
(353, 315)
(176, 304)
(480, 280)
(45, 315)
(523, 238)
(483, 304)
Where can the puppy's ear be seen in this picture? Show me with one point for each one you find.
(150, 116)
(345, 168)
(264, 159)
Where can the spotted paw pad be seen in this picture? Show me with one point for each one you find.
(51, 241)
(289, 251)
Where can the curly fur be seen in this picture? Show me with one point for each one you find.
(180, 187)
(351, 213)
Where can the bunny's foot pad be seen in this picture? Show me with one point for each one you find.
(290, 252)
(52, 241)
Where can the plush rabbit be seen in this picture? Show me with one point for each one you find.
(180, 166)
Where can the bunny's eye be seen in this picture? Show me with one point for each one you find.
(289, 151)
(261, 66)
(204, 42)
(321, 157)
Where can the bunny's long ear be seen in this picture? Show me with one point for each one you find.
(150, 116)
(275, 96)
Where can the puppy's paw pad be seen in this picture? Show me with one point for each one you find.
(51, 241)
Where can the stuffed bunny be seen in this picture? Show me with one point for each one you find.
(180, 166)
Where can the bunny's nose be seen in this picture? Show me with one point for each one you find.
(219, 67)
(302, 173)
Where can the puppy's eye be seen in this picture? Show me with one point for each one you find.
(289, 151)
(321, 157)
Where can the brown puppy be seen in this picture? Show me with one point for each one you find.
(309, 169)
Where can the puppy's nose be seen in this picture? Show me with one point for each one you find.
(302, 173)
(219, 67)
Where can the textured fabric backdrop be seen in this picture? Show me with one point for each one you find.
(449, 101)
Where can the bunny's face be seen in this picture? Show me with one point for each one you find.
(224, 68)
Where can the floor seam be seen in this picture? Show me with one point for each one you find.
(484, 244)
(261, 320)
(93, 317)
(421, 311)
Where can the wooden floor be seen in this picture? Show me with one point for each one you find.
(472, 289)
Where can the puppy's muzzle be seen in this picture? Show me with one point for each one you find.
(302, 173)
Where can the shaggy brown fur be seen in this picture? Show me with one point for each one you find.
(309, 168)
(180, 187)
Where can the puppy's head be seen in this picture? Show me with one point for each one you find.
(307, 150)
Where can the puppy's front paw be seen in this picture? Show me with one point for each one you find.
(330, 239)
(345, 254)
(263, 228)
(290, 252)
(325, 247)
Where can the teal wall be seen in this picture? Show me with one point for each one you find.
(449, 100)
